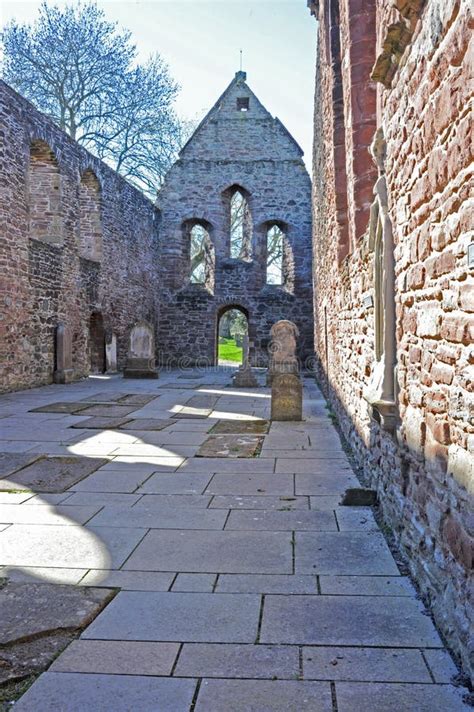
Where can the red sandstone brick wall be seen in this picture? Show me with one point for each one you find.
(45, 277)
(424, 471)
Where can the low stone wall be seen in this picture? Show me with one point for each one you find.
(78, 241)
(422, 462)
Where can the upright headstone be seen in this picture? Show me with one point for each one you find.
(64, 372)
(287, 391)
(110, 352)
(141, 352)
(282, 350)
(244, 377)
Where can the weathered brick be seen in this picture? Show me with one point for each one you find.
(458, 328)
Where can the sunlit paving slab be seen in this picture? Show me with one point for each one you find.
(264, 696)
(174, 500)
(210, 551)
(121, 657)
(114, 481)
(266, 502)
(69, 546)
(192, 617)
(43, 574)
(315, 466)
(176, 483)
(251, 484)
(360, 697)
(266, 583)
(195, 583)
(347, 620)
(282, 521)
(365, 664)
(159, 518)
(49, 514)
(238, 661)
(366, 585)
(329, 480)
(339, 553)
(129, 580)
(120, 693)
(12, 462)
(234, 465)
(53, 474)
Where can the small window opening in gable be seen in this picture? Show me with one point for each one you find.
(240, 227)
(44, 195)
(90, 217)
(275, 247)
(243, 103)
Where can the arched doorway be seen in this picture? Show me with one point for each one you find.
(232, 326)
(97, 343)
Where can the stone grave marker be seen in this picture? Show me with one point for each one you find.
(287, 397)
(64, 372)
(282, 349)
(244, 377)
(141, 352)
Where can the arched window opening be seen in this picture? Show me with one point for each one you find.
(199, 238)
(44, 195)
(90, 224)
(240, 226)
(231, 329)
(201, 255)
(275, 248)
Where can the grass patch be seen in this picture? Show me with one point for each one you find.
(229, 351)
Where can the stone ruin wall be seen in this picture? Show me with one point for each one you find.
(255, 152)
(77, 240)
(424, 471)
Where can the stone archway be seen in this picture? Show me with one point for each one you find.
(232, 323)
(97, 343)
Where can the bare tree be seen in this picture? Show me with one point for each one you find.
(81, 70)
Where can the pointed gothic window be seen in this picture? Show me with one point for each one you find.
(44, 195)
(201, 255)
(275, 240)
(240, 227)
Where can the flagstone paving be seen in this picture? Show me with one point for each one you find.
(243, 585)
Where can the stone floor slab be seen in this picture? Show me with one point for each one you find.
(179, 617)
(144, 424)
(282, 502)
(155, 518)
(266, 583)
(441, 665)
(230, 465)
(65, 515)
(120, 693)
(343, 553)
(176, 483)
(174, 500)
(56, 474)
(120, 482)
(68, 407)
(32, 609)
(322, 502)
(250, 484)
(356, 519)
(347, 620)
(333, 481)
(71, 547)
(194, 583)
(108, 410)
(230, 446)
(360, 697)
(316, 467)
(213, 552)
(281, 521)
(366, 585)
(12, 462)
(102, 499)
(137, 399)
(100, 423)
(129, 580)
(364, 664)
(263, 696)
(241, 426)
(238, 661)
(117, 657)
(43, 574)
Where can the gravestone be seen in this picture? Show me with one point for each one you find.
(64, 372)
(244, 377)
(287, 391)
(287, 397)
(110, 352)
(282, 349)
(141, 353)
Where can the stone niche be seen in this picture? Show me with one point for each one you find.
(141, 352)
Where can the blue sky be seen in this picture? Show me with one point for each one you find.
(201, 39)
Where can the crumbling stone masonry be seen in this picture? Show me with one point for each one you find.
(394, 273)
(240, 155)
(78, 248)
